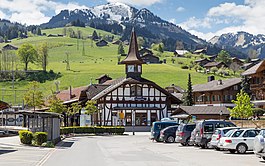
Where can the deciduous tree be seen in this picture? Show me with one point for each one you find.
(56, 105)
(33, 97)
(91, 108)
(121, 49)
(243, 108)
(223, 56)
(42, 59)
(27, 54)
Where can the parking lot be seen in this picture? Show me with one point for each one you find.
(139, 150)
(127, 150)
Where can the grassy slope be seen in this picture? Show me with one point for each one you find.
(97, 61)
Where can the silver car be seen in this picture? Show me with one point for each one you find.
(218, 133)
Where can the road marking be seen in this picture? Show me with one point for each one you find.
(45, 158)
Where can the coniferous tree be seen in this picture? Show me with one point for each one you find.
(245, 86)
(188, 99)
(121, 49)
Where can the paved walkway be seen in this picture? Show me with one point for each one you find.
(12, 153)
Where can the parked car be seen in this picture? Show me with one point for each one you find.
(240, 140)
(206, 128)
(259, 144)
(218, 134)
(168, 134)
(183, 133)
(158, 126)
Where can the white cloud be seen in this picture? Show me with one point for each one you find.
(180, 9)
(2, 14)
(33, 11)
(137, 2)
(248, 17)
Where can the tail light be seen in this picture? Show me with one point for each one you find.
(181, 134)
(228, 141)
(201, 131)
(219, 136)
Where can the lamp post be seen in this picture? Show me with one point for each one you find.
(221, 113)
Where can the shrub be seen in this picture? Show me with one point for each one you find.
(184, 67)
(48, 144)
(25, 136)
(40, 137)
(93, 130)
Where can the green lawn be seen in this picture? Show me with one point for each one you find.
(97, 61)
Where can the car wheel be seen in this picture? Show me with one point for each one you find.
(232, 151)
(183, 144)
(203, 146)
(170, 139)
(158, 140)
(216, 148)
(241, 148)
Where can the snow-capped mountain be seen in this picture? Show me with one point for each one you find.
(242, 41)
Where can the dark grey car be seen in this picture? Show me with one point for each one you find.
(206, 128)
(183, 133)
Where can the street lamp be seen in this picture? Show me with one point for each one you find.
(221, 113)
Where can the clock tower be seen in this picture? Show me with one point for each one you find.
(133, 62)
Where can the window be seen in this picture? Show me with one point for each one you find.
(219, 125)
(190, 127)
(136, 90)
(213, 97)
(208, 128)
(250, 133)
(237, 133)
(236, 87)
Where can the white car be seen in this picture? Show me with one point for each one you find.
(218, 134)
(240, 140)
(259, 144)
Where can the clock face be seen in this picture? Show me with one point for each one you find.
(130, 68)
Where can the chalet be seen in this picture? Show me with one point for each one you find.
(237, 61)
(257, 83)
(200, 51)
(202, 62)
(212, 57)
(176, 91)
(150, 58)
(201, 112)
(216, 92)
(102, 43)
(9, 47)
(3, 105)
(103, 78)
(214, 64)
(180, 53)
(140, 100)
(144, 51)
(117, 42)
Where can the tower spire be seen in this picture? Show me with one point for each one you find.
(133, 56)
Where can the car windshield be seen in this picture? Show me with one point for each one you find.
(228, 134)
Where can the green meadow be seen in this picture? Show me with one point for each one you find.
(95, 62)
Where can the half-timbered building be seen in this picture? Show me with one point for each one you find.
(135, 100)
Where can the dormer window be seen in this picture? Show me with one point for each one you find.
(136, 90)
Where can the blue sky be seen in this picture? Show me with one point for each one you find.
(204, 18)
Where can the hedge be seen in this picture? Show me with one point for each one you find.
(40, 137)
(25, 136)
(92, 130)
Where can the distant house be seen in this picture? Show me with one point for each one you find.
(102, 43)
(150, 58)
(214, 64)
(180, 53)
(201, 112)
(126, 42)
(212, 57)
(9, 47)
(144, 51)
(237, 61)
(117, 42)
(202, 62)
(3, 105)
(200, 51)
(103, 78)
(216, 92)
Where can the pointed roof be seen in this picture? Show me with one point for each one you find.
(133, 56)
(255, 69)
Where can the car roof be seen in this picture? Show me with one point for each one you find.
(224, 128)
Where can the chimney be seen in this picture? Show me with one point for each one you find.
(211, 78)
(220, 82)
